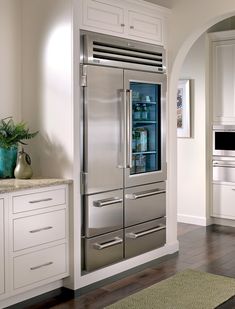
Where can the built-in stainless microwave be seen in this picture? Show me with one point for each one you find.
(224, 140)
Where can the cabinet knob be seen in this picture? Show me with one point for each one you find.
(131, 27)
(122, 25)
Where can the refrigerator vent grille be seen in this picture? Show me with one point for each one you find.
(103, 51)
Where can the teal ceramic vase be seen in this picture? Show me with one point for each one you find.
(8, 157)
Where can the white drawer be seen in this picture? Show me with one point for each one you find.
(223, 201)
(39, 265)
(38, 229)
(39, 200)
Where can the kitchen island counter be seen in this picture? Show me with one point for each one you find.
(10, 185)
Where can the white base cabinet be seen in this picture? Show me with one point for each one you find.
(36, 248)
(2, 262)
(131, 19)
(39, 265)
(223, 201)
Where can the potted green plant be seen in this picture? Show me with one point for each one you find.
(11, 134)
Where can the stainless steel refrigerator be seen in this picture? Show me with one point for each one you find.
(123, 86)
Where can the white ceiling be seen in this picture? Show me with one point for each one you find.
(166, 3)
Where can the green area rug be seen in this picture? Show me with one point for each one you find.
(189, 289)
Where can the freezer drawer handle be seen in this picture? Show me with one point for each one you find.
(137, 235)
(116, 241)
(107, 202)
(135, 196)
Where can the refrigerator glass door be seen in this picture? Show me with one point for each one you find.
(102, 158)
(146, 103)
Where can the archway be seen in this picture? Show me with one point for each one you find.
(177, 57)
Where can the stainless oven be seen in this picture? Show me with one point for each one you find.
(224, 140)
(224, 170)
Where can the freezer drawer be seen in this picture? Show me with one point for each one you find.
(145, 203)
(103, 213)
(145, 237)
(103, 250)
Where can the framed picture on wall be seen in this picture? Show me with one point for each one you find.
(183, 108)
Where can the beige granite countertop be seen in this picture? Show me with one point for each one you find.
(10, 185)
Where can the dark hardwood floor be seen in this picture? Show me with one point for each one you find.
(210, 249)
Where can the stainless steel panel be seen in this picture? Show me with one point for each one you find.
(224, 170)
(102, 139)
(142, 238)
(161, 175)
(145, 203)
(103, 250)
(103, 213)
(107, 50)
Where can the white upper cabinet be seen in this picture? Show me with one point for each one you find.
(142, 26)
(102, 15)
(132, 19)
(223, 78)
(1, 248)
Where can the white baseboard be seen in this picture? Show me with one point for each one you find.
(225, 222)
(14, 299)
(203, 221)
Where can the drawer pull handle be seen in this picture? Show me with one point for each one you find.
(135, 196)
(107, 202)
(116, 241)
(42, 229)
(42, 200)
(137, 235)
(223, 165)
(40, 266)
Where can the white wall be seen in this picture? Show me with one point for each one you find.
(47, 84)
(188, 21)
(10, 59)
(191, 162)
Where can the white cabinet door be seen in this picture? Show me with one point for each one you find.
(144, 26)
(223, 201)
(1, 248)
(223, 76)
(136, 21)
(102, 15)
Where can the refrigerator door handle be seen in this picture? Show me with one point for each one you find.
(107, 202)
(135, 196)
(123, 128)
(128, 128)
(144, 233)
(116, 241)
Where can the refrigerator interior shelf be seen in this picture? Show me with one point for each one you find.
(144, 121)
(144, 102)
(144, 152)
